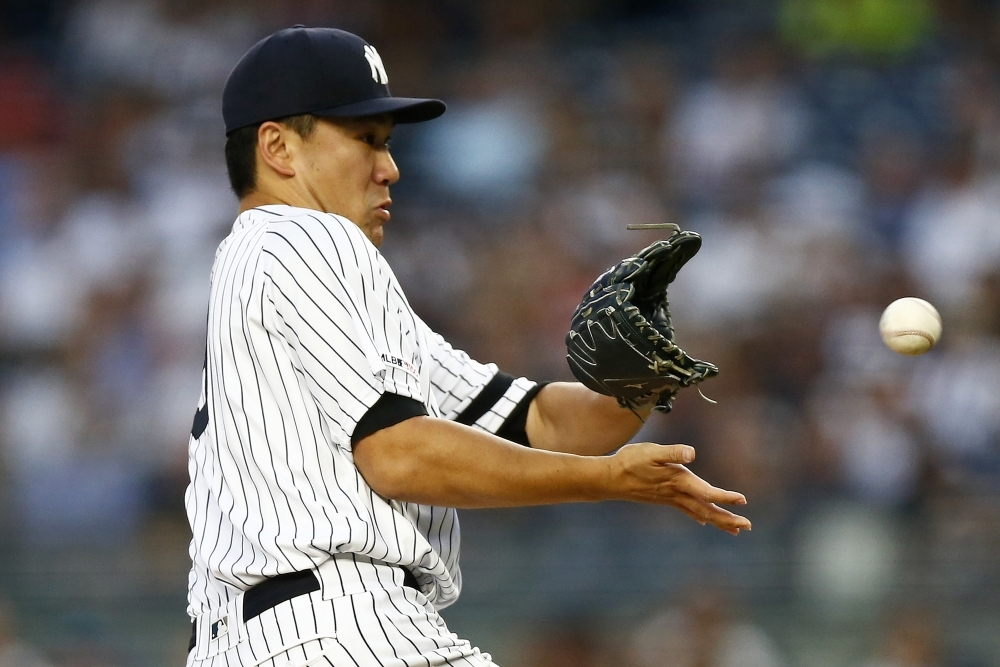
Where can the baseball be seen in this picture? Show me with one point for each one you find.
(910, 326)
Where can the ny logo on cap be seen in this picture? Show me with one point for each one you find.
(375, 62)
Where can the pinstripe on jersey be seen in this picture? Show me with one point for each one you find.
(307, 328)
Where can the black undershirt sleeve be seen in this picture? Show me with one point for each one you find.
(389, 410)
(514, 428)
(487, 398)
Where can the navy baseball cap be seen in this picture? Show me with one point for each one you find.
(321, 71)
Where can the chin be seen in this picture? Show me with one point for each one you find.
(376, 236)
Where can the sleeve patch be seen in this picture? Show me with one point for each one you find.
(401, 364)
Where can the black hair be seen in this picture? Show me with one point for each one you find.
(241, 151)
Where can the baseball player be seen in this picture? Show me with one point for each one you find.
(336, 433)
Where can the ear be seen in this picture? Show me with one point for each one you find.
(275, 148)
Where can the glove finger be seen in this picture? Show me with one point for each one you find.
(662, 261)
(658, 256)
(659, 249)
(698, 371)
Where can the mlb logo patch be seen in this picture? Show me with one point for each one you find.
(220, 627)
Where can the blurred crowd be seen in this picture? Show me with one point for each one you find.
(834, 154)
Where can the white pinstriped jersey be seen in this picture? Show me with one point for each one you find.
(307, 328)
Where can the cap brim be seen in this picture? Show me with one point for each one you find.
(402, 109)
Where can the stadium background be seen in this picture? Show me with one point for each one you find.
(835, 154)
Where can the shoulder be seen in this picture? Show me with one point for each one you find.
(322, 228)
(298, 232)
(305, 241)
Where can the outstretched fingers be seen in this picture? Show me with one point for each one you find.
(658, 474)
(704, 491)
(700, 500)
(705, 513)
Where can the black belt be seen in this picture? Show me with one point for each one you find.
(272, 592)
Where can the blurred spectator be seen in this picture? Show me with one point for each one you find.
(847, 559)
(173, 49)
(910, 637)
(438, 264)
(859, 410)
(818, 202)
(14, 652)
(752, 447)
(39, 294)
(30, 110)
(893, 170)
(956, 394)
(963, 534)
(530, 335)
(952, 237)
(879, 458)
(563, 646)
(747, 264)
(33, 442)
(490, 153)
(104, 228)
(972, 95)
(86, 500)
(704, 631)
(744, 119)
(40, 297)
(86, 655)
(734, 277)
(587, 216)
(114, 349)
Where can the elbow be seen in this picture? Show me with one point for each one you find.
(390, 482)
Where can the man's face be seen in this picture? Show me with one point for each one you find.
(346, 166)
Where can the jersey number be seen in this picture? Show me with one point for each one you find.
(201, 417)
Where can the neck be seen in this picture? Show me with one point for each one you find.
(256, 198)
(287, 193)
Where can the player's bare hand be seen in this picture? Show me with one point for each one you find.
(651, 473)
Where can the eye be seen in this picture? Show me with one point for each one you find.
(373, 140)
(376, 138)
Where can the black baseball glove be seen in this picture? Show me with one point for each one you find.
(620, 341)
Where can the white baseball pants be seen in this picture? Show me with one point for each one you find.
(386, 626)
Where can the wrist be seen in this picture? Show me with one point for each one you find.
(598, 478)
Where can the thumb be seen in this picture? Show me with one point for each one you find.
(675, 454)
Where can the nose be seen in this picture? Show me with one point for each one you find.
(386, 172)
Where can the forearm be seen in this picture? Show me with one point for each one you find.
(438, 462)
(568, 417)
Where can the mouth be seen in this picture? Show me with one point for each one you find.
(382, 210)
